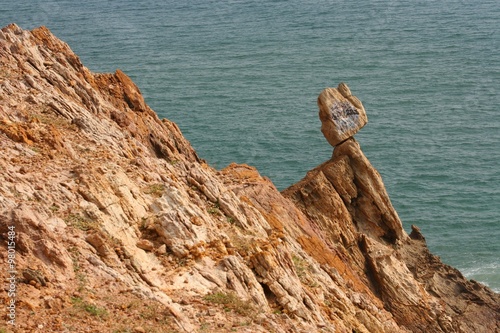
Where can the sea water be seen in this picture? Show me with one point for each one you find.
(241, 79)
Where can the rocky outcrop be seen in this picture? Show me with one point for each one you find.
(383, 254)
(121, 227)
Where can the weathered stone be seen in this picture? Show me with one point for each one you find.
(114, 208)
(342, 115)
(145, 244)
(139, 329)
(132, 95)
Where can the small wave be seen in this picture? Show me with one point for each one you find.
(485, 273)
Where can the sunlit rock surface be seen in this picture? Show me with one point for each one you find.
(121, 227)
(342, 115)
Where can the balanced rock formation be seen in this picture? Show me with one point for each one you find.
(342, 115)
(121, 227)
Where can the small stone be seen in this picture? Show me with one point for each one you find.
(139, 329)
(29, 304)
(212, 312)
(34, 277)
(50, 302)
(145, 244)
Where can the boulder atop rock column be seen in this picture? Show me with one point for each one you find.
(342, 115)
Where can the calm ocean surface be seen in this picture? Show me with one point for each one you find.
(241, 80)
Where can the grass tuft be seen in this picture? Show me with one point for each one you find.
(231, 302)
(81, 222)
(92, 309)
(155, 190)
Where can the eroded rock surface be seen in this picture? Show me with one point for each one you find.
(342, 114)
(121, 227)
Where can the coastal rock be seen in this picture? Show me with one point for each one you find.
(121, 226)
(394, 266)
(131, 92)
(342, 115)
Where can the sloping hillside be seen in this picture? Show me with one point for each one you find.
(110, 222)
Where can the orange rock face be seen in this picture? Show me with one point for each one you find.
(120, 226)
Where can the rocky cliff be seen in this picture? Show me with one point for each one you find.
(119, 226)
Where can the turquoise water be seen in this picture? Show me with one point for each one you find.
(241, 80)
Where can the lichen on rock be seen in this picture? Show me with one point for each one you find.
(342, 115)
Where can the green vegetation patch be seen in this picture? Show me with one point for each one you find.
(155, 190)
(300, 266)
(92, 309)
(231, 302)
(81, 222)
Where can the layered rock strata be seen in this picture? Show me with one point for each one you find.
(121, 227)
